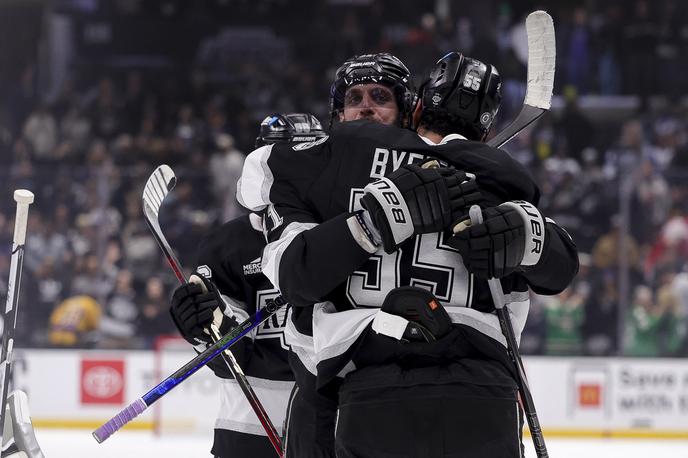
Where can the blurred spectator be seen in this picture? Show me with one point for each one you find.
(89, 279)
(599, 328)
(189, 130)
(119, 321)
(577, 130)
(576, 42)
(650, 200)
(140, 249)
(75, 128)
(671, 248)
(225, 169)
(652, 327)
(640, 34)
(43, 241)
(87, 152)
(49, 287)
(104, 110)
(610, 46)
(74, 322)
(154, 318)
(605, 253)
(40, 131)
(564, 315)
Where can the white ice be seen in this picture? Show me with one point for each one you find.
(125, 444)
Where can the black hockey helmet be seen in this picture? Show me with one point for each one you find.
(381, 68)
(465, 88)
(289, 128)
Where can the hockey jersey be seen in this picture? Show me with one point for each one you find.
(231, 257)
(309, 192)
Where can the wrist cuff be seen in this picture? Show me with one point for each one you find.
(393, 205)
(364, 231)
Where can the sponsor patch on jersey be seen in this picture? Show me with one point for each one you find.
(252, 267)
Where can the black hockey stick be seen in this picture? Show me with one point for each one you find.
(159, 184)
(512, 348)
(540, 84)
(23, 198)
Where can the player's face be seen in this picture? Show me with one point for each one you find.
(373, 102)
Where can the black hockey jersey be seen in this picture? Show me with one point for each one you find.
(309, 192)
(231, 257)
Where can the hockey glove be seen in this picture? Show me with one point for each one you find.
(416, 200)
(511, 238)
(196, 306)
(412, 314)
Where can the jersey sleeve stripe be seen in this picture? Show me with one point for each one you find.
(301, 345)
(272, 255)
(488, 323)
(253, 188)
(235, 309)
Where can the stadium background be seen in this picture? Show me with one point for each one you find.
(95, 94)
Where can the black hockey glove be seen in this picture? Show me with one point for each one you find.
(417, 200)
(424, 317)
(511, 238)
(196, 306)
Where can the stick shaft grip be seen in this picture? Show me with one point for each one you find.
(115, 423)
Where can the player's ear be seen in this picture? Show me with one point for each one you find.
(341, 115)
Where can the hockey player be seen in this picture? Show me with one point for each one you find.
(348, 245)
(377, 88)
(229, 266)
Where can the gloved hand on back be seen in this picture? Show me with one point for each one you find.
(416, 199)
(511, 238)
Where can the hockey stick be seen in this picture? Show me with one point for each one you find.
(512, 348)
(159, 184)
(141, 404)
(23, 198)
(541, 66)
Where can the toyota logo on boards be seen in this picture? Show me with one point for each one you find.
(102, 381)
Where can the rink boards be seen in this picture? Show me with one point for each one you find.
(574, 396)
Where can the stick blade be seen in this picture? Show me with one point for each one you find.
(542, 54)
(159, 184)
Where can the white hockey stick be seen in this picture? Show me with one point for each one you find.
(23, 198)
(542, 55)
(159, 184)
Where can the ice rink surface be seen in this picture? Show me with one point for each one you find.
(124, 444)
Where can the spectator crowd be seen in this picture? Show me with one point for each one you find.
(94, 276)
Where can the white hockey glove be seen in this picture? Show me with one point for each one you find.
(416, 200)
(196, 306)
(511, 238)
